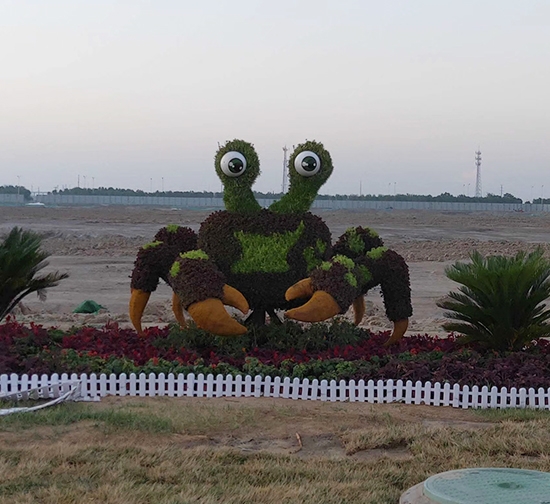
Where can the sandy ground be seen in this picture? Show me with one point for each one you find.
(97, 247)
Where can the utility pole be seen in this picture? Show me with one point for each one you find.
(285, 166)
(479, 192)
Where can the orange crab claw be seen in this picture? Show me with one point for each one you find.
(210, 315)
(399, 328)
(138, 302)
(234, 298)
(320, 307)
(358, 309)
(301, 289)
(177, 308)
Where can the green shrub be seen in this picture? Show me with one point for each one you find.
(500, 303)
(20, 261)
(276, 337)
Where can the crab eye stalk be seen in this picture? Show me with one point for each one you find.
(307, 163)
(233, 164)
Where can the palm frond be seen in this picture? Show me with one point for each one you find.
(20, 261)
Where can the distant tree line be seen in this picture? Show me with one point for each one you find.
(445, 197)
(10, 189)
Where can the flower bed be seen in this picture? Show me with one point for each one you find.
(324, 352)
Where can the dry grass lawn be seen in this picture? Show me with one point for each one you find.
(176, 451)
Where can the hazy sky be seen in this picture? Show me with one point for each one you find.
(123, 91)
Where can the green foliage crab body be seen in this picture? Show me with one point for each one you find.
(280, 258)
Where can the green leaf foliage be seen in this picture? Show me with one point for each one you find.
(194, 254)
(172, 228)
(20, 261)
(151, 245)
(175, 269)
(377, 253)
(357, 241)
(500, 302)
(354, 241)
(266, 253)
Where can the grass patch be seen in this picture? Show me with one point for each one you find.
(203, 450)
(71, 413)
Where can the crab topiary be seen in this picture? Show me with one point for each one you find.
(264, 260)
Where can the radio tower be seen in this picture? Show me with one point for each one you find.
(478, 176)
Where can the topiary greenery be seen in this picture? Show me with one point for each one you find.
(155, 259)
(500, 303)
(303, 190)
(237, 192)
(20, 261)
(264, 252)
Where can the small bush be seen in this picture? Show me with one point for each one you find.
(500, 303)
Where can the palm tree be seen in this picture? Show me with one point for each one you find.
(500, 303)
(20, 261)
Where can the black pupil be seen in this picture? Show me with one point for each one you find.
(236, 165)
(309, 163)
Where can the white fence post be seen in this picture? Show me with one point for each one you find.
(190, 382)
(258, 382)
(247, 386)
(238, 386)
(333, 390)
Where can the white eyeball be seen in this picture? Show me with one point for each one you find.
(307, 163)
(233, 164)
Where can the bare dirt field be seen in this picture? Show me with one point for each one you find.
(97, 247)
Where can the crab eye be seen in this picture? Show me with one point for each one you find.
(233, 164)
(307, 163)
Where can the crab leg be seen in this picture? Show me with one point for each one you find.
(153, 262)
(302, 289)
(178, 310)
(201, 289)
(211, 316)
(320, 307)
(233, 297)
(138, 302)
(361, 262)
(358, 309)
(399, 328)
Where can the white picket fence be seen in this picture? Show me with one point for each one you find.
(435, 394)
